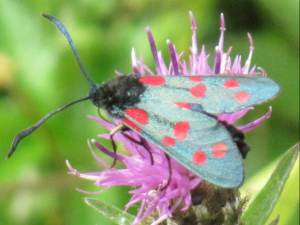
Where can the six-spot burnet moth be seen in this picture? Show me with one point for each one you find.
(178, 113)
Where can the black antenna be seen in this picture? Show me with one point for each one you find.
(19, 137)
(65, 32)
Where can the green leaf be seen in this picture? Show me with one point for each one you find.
(111, 212)
(275, 222)
(260, 209)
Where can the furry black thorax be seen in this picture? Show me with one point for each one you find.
(121, 92)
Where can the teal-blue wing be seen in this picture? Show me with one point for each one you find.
(175, 113)
(197, 141)
(212, 94)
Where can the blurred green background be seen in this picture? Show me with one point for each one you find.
(38, 73)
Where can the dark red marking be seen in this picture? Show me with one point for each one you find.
(219, 150)
(242, 97)
(138, 115)
(181, 130)
(131, 124)
(198, 91)
(168, 141)
(196, 78)
(199, 157)
(231, 83)
(153, 80)
(184, 105)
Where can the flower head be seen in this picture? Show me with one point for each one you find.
(145, 167)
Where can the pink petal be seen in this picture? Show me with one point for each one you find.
(250, 126)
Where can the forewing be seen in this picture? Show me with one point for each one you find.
(212, 94)
(198, 141)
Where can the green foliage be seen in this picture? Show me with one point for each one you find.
(113, 213)
(275, 222)
(261, 207)
(38, 73)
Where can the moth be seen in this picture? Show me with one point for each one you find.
(179, 114)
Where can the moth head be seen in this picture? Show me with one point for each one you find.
(99, 96)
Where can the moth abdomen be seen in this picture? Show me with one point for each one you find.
(239, 139)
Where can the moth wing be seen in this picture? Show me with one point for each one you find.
(212, 94)
(174, 112)
(197, 141)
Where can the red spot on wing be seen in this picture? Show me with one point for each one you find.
(196, 78)
(231, 83)
(131, 124)
(184, 105)
(199, 157)
(138, 115)
(153, 80)
(181, 130)
(242, 97)
(168, 141)
(219, 150)
(198, 91)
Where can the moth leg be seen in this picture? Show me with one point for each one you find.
(170, 172)
(142, 142)
(113, 143)
(101, 115)
(147, 147)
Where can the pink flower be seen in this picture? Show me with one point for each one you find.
(148, 180)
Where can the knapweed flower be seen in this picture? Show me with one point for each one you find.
(145, 167)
